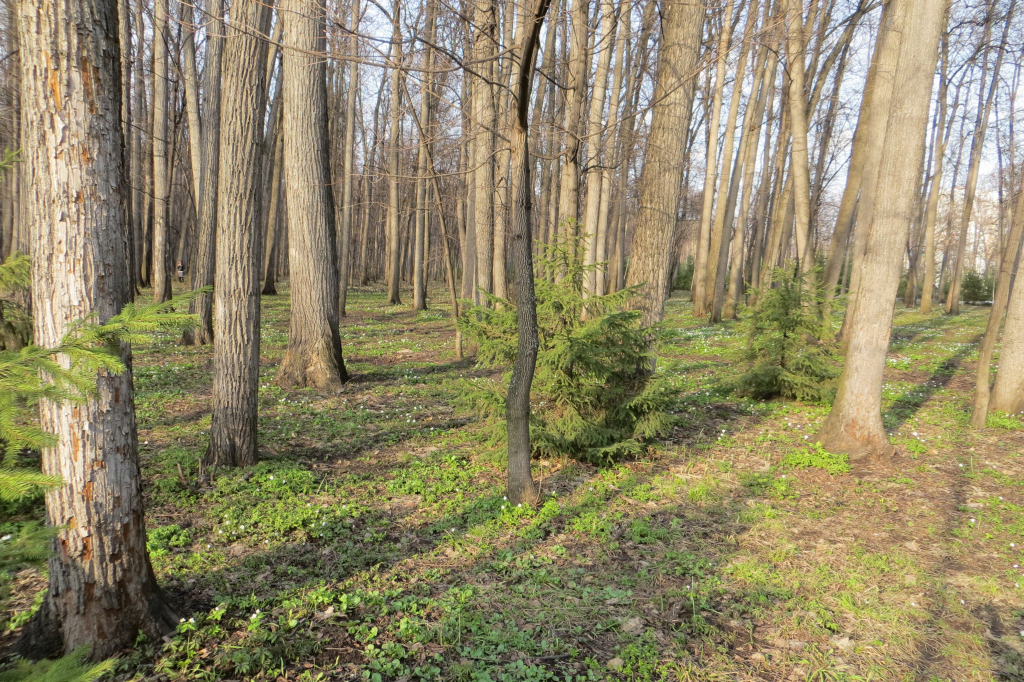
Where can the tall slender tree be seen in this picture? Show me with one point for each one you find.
(161, 161)
(854, 425)
(314, 346)
(236, 349)
(204, 257)
(521, 487)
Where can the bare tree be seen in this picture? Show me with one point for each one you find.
(161, 181)
(204, 259)
(102, 589)
(314, 347)
(854, 425)
(236, 351)
(662, 179)
(521, 487)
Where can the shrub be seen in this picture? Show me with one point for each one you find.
(975, 287)
(789, 351)
(684, 276)
(594, 395)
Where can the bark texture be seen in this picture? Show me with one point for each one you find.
(521, 487)
(236, 351)
(204, 259)
(102, 590)
(314, 347)
(161, 175)
(662, 179)
(854, 425)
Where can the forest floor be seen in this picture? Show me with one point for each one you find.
(372, 540)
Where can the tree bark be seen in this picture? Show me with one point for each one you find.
(854, 425)
(102, 590)
(661, 182)
(521, 487)
(236, 352)
(394, 268)
(314, 356)
(569, 184)
(483, 147)
(698, 292)
(161, 181)
(203, 266)
(1000, 298)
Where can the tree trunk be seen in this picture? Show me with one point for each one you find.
(188, 55)
(138, 183)
(932, 208)
(347, 207)
(1008, 391)
(204, 261)
(661, 182)
(483, 147)
(521, 487)
(569, 184)
(594, 174)
(881, 89)
(161, 181)
(394, 268)
(698, 291)
(854, 425)
(236, 352)
(274, 227)
(799, 165)
(102, 590)
(421, 255)
(124, 34)
(974, 165)
(1000, 297)
(314, 356)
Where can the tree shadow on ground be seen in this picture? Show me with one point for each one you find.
(907, 405)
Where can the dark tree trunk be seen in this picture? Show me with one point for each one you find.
(521, 487)
(236, 352)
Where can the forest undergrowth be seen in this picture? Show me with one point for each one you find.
(372, 541)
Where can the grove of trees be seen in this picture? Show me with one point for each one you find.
(864, 149)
